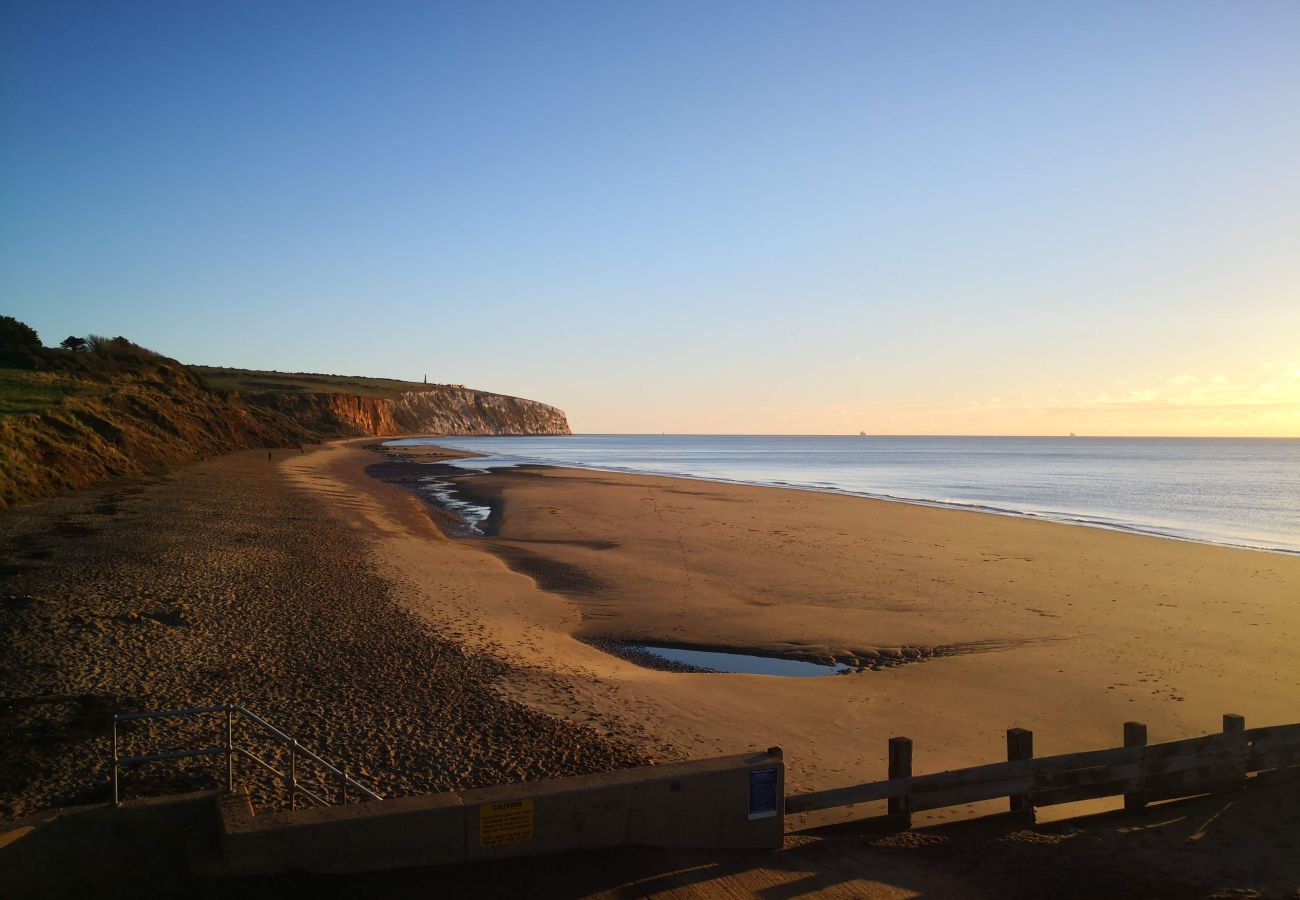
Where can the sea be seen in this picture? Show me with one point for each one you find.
(1237, 492)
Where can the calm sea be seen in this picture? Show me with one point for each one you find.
(1228, 491)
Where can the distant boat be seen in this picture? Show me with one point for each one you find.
(1072, 434)
(862, 434)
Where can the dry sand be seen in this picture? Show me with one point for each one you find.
(222, 581)
(1065, 630)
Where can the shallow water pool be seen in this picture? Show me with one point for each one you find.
(743, 663)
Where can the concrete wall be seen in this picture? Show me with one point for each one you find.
(728, 802)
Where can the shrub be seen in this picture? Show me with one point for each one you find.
(120, 348)
(17, 334)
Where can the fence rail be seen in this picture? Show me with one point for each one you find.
(1138, 771)
(232, 752)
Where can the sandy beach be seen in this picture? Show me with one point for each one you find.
(334, 602)
(223, 581)
(1065, 630)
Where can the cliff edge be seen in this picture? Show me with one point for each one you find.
(69, 418)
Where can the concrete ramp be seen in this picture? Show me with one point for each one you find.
(731, 802)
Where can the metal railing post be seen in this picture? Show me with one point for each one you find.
(293, 774)
(230, 749)
(116, 801)
(343, 785)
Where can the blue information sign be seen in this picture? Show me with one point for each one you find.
(762, 792)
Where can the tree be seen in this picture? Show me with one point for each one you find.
(72, 342)
(16, 334)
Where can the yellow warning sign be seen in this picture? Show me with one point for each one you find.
(505, 823)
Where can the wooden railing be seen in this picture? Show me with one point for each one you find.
(1139, 771)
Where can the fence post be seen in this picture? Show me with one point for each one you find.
(1235, 724)
(900, 766)
(293, 774)
(343, 785)
(1135, 735)
(230, 749)
(116, 799)
(1020, 745)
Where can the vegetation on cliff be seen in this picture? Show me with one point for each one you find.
(73, 417)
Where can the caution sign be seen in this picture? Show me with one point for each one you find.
(505, 823)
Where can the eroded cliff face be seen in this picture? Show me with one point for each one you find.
(331, 415)
(129, 422)
(95, 418)
(440, 409)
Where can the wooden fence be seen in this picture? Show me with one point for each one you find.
(1139, 771)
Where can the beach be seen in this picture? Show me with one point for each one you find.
(223, 581)
(317, 589)
(1065, 630)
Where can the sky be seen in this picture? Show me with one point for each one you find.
(696, 217)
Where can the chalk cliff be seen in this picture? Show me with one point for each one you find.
(450, 409)
(68, 420)
(439, 409)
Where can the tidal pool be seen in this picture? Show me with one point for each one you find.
(743, 663)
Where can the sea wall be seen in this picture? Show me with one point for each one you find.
(728, 802)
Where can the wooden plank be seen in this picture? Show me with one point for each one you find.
(1204, 759)
(1194, 781)
(1132, 772)
(942, 781)
(1273, 746)
(1186, 747)
(1278, 732)
(1084, 792)
(858, 793)
(971, 793)
(1263, 761)
(1068, 762)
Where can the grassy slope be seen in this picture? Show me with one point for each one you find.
(24, 391)
(250, 381)
(70, 419)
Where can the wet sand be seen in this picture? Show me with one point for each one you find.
(1065, 630)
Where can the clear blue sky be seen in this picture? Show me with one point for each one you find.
(729, 217)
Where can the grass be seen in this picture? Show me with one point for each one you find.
(250, 381)
(23, 391)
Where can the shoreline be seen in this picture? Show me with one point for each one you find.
(1082, 629)
(1052, 517)
(429, 662)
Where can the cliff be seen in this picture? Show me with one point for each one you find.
(451, 409)
(437, 409)
(71, 419)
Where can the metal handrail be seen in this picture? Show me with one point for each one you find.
(231, 752)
